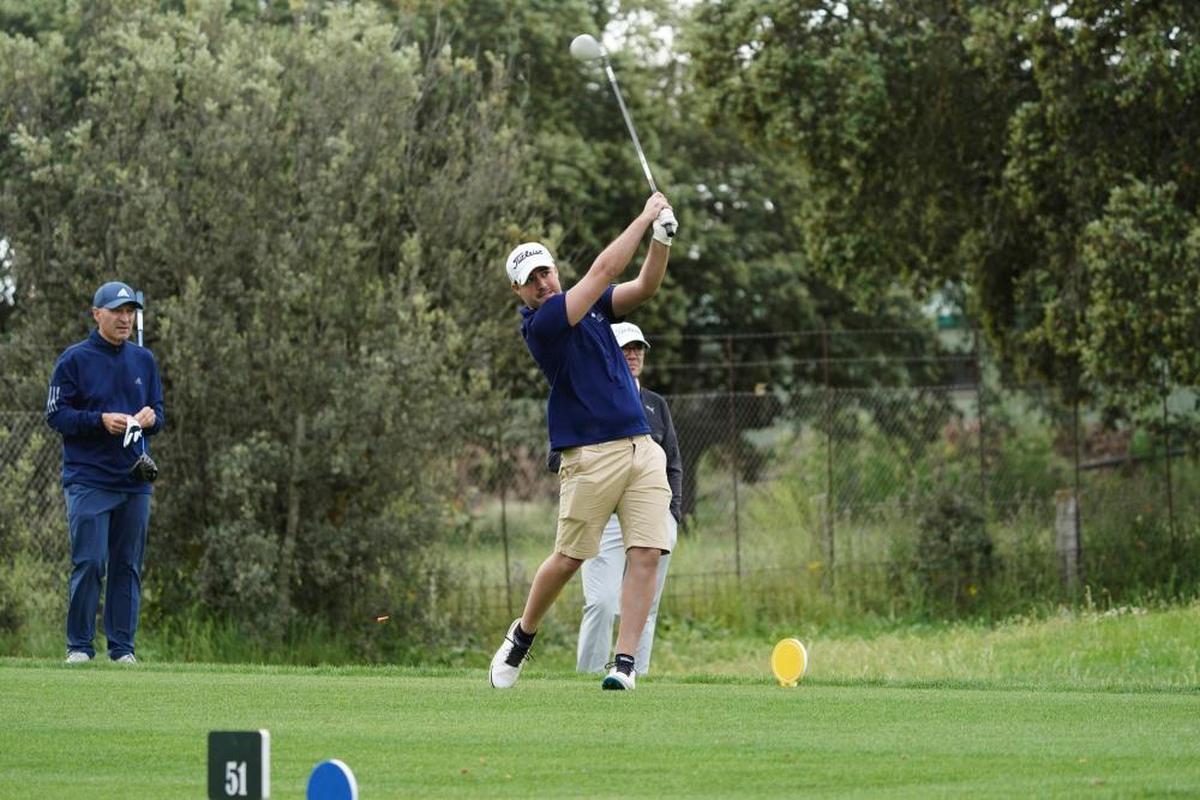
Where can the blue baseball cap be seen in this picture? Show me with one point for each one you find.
(115, 294)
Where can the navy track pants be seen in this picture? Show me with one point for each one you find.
(108, 536)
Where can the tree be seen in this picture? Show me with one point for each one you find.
(1142, 258)
(969, 142)
(311, 211)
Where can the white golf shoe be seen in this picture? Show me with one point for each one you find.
(77, 657)
(619, 681)
(507, 663)
(128, 658)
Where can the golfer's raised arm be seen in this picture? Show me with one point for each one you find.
(628, 296)
(631, 294)
(612, 262)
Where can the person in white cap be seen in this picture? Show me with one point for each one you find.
(597, 422)
(602, 574)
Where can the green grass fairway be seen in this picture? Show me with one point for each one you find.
(100, 730)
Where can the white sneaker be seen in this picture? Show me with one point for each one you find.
(507, 663)
(77, 657)
(619, 681)
(126, 659)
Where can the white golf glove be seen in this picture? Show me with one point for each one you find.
(133, 431)
(665, 227)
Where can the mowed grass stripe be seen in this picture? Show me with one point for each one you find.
(108, 732)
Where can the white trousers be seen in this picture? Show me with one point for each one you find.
(602, 576)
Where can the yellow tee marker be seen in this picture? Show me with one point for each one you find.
(789, 661)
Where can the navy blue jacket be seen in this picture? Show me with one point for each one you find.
(94, 377)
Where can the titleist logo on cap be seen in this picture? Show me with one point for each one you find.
(524, 254)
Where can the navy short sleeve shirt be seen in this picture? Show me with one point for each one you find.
(593, 397)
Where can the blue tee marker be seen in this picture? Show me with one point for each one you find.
(332, 780)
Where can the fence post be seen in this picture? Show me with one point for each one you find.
(736, 439)
(1066, 537)
(1077, 522)
(829, 506)
(979, 404)
(1170, 490)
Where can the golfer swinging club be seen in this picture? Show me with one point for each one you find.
(596, 420)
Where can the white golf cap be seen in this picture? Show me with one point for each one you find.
(627, 332)
(524, 259)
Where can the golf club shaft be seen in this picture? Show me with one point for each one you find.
(612, 78)
(139, 319)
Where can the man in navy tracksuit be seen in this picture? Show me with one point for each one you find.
(103, 390)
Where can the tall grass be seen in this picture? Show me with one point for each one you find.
(1125, 646)
(1155, 645)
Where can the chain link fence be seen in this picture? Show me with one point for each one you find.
(823, 490)
(33, 537)
(944, 498)
(30, 452)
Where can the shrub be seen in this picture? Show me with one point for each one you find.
(953, 558)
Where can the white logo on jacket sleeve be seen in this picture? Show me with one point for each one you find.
(137, 381)
(651, 410)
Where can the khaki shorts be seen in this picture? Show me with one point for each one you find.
(628, 475)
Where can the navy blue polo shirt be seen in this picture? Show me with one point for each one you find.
(593, 397)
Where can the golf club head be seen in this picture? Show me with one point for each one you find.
(585, 47)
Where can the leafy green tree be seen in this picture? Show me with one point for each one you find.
(969, 142)
(1116, 88)
(315, 213)
(1142, 258)
(882, 112)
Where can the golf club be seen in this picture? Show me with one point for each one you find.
(141, 300)
(585, 48)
